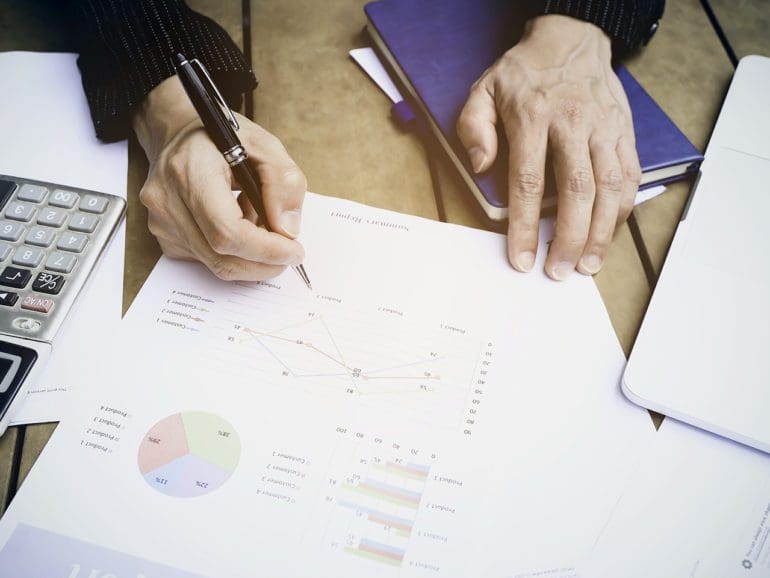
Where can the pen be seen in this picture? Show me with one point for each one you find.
(220, 125)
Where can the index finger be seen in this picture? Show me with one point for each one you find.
(527, 143)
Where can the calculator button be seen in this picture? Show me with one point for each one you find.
(84, 223)
(13, 277)
(74, 242)
(20, 211)
(51, 217)
(6, 190)
(11, 231)
(35, 303)
(59, 262)
(27, 256)
(94, 204)
(61, 198)
(5, 250)
(40, 236)
(32, 193)
(8, 298)
(50, 283)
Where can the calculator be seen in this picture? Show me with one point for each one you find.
(51, 237)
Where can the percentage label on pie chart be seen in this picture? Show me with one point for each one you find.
(189, 454)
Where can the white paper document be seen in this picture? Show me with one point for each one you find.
(698, 507)
(424, 411)
(48, 136)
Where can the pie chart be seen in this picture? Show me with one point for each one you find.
(189, 454)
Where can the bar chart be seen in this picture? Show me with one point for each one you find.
(384, 506)
(388, 509)
(378, 508)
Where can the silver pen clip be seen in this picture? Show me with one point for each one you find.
(214, 91)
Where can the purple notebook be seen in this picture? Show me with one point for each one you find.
(439, 48)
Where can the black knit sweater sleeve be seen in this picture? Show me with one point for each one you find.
(628, 22)
(127, 48)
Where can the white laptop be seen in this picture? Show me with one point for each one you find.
(703, 352)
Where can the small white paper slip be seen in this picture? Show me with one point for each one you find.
(371, 65)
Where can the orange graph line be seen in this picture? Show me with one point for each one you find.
(300, 342)
(351, 371)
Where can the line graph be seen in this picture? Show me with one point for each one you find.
(339, 367)
(376, 357)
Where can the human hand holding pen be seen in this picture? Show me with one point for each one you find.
(191, 209)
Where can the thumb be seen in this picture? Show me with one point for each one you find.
(476, 128)
(283, 190)
(283, 183)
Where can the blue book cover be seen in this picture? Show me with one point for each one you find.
(439, 48)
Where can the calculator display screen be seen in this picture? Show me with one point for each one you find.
(15, 363)
(5, 366)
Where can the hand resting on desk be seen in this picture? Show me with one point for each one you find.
(188, 192)
(558, 99)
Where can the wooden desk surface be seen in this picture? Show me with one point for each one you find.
(336, 125)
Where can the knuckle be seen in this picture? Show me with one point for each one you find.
(253, 138)
(633, 174)
(611, 181)
(571, 109)
(528, 186)
(522, 229)
(224, 269)
(572, 244)
(534, 109)
(272, 254)
(600, 238)
(176, 165)
(262, 139)
(477, 89)
(223, 240)
(465, 123)
(294, 180)
(579, 185)
(150, 197)
(614, 108)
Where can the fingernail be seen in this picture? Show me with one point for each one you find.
(591, 264)
(525, 261)
(478, 158)
(561, 271)
(290, 223)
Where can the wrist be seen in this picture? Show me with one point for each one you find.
(163, 113)
(564, 33)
